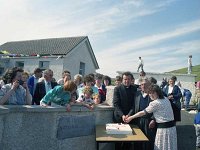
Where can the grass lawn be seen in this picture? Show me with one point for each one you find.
(195, 70)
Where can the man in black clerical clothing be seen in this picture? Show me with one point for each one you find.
(123, 102)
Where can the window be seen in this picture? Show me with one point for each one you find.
(44, 65)
(19, 64)
(82, 68)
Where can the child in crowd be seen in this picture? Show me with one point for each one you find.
(197, 128)
(187, 94)
(24, 79)
(101, 87)
(97, 99)
(86, 98)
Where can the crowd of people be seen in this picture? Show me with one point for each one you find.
(20, 88)
(154, 109)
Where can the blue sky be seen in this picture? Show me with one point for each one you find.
(162, 32)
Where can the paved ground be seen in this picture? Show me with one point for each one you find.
(186, 132)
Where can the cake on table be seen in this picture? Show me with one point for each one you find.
(118, 128)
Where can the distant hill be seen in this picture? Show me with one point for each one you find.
(195, 70)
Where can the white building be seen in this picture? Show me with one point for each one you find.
(72, 53)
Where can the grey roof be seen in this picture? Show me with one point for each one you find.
(54, 46)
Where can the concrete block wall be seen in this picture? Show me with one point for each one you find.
(36, 128)
(3, 112)
(109, 95)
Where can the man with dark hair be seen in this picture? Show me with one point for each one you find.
(124, 102)
(33, 80)
(123, 99)
(13, 93)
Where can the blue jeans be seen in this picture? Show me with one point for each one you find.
(187, 101)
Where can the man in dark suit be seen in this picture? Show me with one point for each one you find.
(124, 103)
(32, 81)
(44, 86)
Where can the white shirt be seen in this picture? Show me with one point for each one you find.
(190, 61)
(60, 81)
(47, 86)
(170, 89)
(141, 62)
(35, 82)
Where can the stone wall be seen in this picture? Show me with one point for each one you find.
(39, 128)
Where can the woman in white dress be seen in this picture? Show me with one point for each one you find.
(166, 137)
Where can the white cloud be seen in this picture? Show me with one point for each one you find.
(152, 39)
(156, 59)
(26, 19)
